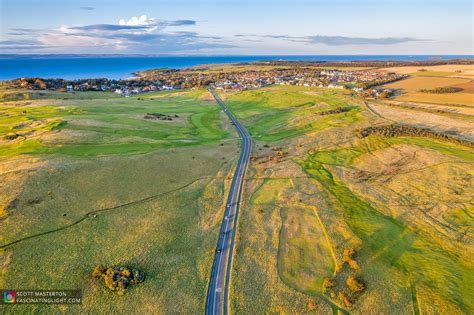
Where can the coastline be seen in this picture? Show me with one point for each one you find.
(120, 67)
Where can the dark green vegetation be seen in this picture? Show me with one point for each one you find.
(441, 90)
(397, 130)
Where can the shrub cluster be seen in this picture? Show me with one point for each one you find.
(329, 283)
(355, 285)
(118, 279)
(345, 298)
(348, 257)
(159, 116)
(333, 111)
(312, 305)
(398, 130)
(346, 291)
(442, 90)
(11, 136)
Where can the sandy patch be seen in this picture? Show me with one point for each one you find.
(7, 261)
(158, 95)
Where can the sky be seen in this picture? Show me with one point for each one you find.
(229, 27)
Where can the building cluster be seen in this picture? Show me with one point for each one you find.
(359, 81)
(127, 91)
(363, 82)
(122, 87)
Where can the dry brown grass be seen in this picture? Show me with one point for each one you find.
(206, 96)
(403, 174)
(7, 260)
(14, 172)
(410, 90)
(421, 116)
(451, 98)
(413, 184)
(467, 71)
(467, 87)
(417, 83)
(435, 108)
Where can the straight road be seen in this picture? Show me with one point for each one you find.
(217, 301)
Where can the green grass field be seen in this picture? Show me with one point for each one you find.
(87, 180)
(111, 126)
(391, 241)
(335, 191)
(113, 188)
(282, 112)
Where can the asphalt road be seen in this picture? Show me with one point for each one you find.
(217, 301)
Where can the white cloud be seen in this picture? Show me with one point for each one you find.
(135, 35)
(138, 21)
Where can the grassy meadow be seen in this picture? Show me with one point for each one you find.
(433, 263)
(278, 113)
(87, 181)
(402, 204)
(109, 126)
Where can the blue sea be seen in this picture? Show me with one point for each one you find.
(122, 67)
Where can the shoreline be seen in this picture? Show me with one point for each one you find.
(76, 68)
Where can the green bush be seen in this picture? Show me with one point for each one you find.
(118, 279)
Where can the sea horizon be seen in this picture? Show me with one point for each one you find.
(116, 66)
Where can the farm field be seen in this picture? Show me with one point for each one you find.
(88, 180)
(461, 71)
(446, 99)
(431, 77)
(237, 67)
(417, 83)
(325, 205)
